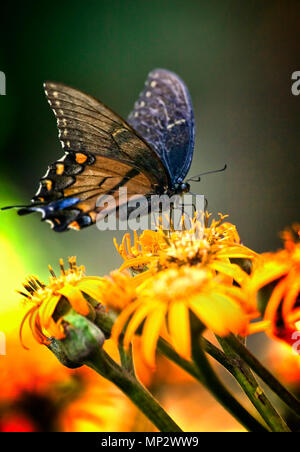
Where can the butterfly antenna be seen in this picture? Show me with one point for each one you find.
(11, 207)
(20, 206)
(197, 178)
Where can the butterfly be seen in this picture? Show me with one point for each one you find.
(149, 154)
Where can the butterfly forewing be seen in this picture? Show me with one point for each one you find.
(87, 125)
(103, 153)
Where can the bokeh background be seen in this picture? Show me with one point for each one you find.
(236, 58)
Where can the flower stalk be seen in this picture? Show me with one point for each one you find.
(138, 394)
(228, 401)
(105, 321)
(82, 345)
(216, 387)
(287, 397)
(252, 389)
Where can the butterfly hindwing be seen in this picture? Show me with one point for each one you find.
(163, 116)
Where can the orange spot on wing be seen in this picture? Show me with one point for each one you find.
(74, 225)
(48, 184)
(84, 206)
(60, 169)
(81, 158)
(93, 216)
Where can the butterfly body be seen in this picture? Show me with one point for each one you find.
(149, 154)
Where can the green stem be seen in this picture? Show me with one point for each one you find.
(105, 322)
(214, 384)
(167, 350)
(248, 383)
(218, 355)
(126, 359)
(249, 422)
(288, 398)
(109, 369)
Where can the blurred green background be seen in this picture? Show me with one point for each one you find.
(236, 58)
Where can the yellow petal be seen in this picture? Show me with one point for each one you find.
(28, 314)
(290, 299)
(294, 317)
(36, 328)
(237, 252)
(47, 309)
(232, 270)
(92, 288)
(179, 328)
(122, 319)
(275, 300)
(137, 261)
(135, 322)
(55, 329)
(116, 245)
(136, 242)
(258, 327)
(204, 309)
(151, 331)
(75, 298)
(141, 277)
(220, 314)
(267, 273)
(234, 317)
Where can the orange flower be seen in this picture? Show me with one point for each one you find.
(143, 248)
(149, 242)
(39, 394)
(279, 273)
(164, 301)
(71, 286)
(118, 291)
(211, 245)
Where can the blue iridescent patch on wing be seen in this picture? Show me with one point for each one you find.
(163, 116)
(60, 214)
(47, 210)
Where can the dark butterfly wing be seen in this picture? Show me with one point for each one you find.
(163, 116)
(103, 153)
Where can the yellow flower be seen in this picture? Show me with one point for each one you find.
(71, 286)
(212, 245)
(279, 273)
(118, 291)
(165, 300)
(291, 237)
(149, 244)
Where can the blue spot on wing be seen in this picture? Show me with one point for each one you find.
(60, 213)
(163, 116)
(47, 210)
